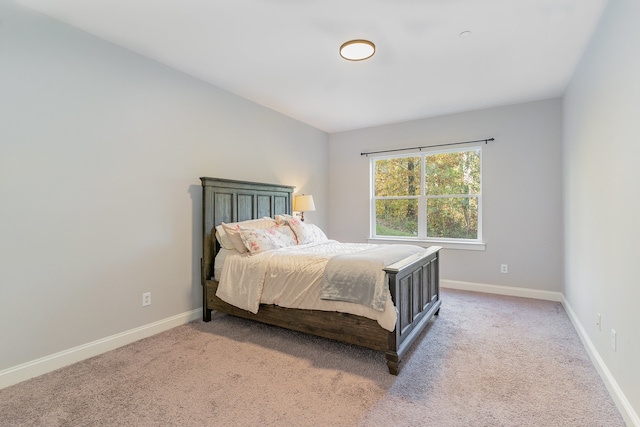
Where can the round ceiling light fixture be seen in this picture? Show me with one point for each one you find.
(357, 50)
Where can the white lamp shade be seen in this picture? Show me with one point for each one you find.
(303, 203)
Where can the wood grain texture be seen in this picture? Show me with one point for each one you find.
(328, 324)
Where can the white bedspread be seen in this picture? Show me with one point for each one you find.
(359, 277)
(292, 277)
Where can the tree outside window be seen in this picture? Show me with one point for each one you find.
(433, 195)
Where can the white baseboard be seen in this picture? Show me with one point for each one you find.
(502, 290)
(626, 410)
(55, 361)
(631, 418)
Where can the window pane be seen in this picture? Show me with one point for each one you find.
(397, 177)
(453, 173)
(397, 217)
(454, 218)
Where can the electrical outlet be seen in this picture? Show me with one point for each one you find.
(599, 321)
(146, 299)
(504, 268)
(613, 340)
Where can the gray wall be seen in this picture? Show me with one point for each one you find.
(602, 208)
(522, 192)
(100, 154)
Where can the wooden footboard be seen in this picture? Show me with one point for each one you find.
(415, 289)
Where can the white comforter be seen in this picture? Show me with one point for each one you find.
(292, 277)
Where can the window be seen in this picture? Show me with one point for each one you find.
(428, 196)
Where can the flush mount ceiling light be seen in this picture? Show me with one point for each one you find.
(357, 50)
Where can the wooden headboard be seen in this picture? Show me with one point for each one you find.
(225, 200)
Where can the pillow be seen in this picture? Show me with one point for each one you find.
(232, 231)
(286, 229)
(260, 240)
(305, 233)
(282, 219)
(223, 239)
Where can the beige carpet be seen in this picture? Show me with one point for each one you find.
(487, 360)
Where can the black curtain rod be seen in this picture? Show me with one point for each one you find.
(486, 141)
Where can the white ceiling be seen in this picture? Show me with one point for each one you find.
(283, 54)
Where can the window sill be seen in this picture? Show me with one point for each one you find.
(446, 244)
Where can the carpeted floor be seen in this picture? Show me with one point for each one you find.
(487, 360)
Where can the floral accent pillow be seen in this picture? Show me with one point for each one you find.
(232, 231)
(283, 219)
(305, 233)
(259, 240)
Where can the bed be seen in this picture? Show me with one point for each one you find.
(413, 282)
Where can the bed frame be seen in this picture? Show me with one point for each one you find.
(413, 282)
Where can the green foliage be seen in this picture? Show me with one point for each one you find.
(397, 177)
(453, 173)
(451, 182)
(391, 230)
(397, 217)
(454, 218)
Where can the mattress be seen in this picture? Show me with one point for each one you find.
(291, 277)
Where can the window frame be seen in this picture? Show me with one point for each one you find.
(421, 238)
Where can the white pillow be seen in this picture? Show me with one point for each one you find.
(232, 231)
(305, 233)
(260, 240)
(223, 239)
(282, 219)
